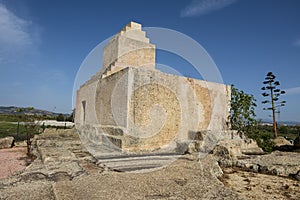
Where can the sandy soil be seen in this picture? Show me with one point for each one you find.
(260, 186)
(12, 160)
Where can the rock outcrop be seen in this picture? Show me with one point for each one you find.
(297, 142)
(281, 141)
(276, 163)
(63, 169)
(6, 142)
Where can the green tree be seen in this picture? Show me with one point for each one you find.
(271, 91)
(60, 117)
(264, 140)
(242, 118)
(242, 112)
(70, 118)
(31, 126)
(283, 129)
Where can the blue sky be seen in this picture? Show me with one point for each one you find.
(43, 43)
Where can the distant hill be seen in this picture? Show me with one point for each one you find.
(289, 123)
(11, 110)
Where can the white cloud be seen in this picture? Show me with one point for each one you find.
(201, 7)
(292, 91)
(14, 32)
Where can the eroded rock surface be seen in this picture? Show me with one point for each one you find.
(276, 163)
(59, 156)
(260, 186)
(63, 169)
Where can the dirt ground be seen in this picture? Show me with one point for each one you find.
(260, 186)
(12, 160)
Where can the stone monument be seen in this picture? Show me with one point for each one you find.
(131, 105)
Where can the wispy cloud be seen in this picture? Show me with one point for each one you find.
(297, 43)
(202, 7)
(13, 29)
(16, 33)
(292, 91)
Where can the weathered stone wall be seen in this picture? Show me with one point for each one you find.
(137, 108)
(110, 52)
(143, 110)
(111, 99)
(136, 53)
(164, 108)
(105, 115)
(86, 114)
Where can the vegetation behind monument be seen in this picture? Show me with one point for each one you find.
(242, 118)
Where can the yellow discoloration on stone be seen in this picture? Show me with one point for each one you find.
(144, 57)
(205, 97)
(143, 101)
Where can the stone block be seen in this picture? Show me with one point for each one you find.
(113, 131)
(6, 142)
(114, 141)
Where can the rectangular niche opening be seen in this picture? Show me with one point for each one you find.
(83, 111)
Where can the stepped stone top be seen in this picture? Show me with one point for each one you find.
(134, 31)
(132, 25)
(130, 47)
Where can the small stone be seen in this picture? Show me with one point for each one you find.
(255, 168)
(297, 176)
(181, 182)
(247, 180)
(248, 188)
